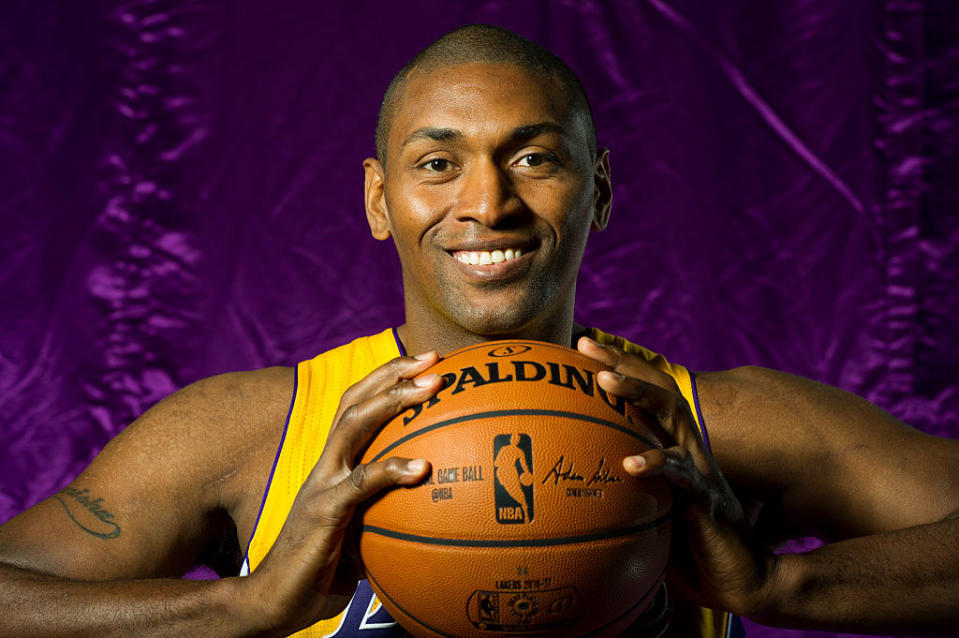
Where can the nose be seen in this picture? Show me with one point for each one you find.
(486, 195)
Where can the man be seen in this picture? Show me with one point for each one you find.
(488, 180)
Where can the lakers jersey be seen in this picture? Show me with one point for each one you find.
(319, 384)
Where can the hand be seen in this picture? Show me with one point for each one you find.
(306, 577)
(714, 561)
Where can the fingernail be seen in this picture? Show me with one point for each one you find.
(422, 382)
(415, 466)
(615, 375)
(423, 356)
(634, 463)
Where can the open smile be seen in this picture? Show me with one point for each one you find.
(496, 264)
(486, 257)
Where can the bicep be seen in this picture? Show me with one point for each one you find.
(149, 502)
(92, 530)
(833, 464)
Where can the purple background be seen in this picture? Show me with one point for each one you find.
(180, 195)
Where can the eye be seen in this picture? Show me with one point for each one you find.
(534, 160)
(437, 165)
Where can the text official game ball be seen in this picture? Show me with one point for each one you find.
(528, 524)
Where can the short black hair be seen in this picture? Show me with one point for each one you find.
(483, 43)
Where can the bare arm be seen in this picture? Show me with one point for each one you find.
(35, 605)
(830, 464)
(141, 514)
(818, 461)
(96, 559)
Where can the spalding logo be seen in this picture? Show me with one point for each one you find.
(513, 474)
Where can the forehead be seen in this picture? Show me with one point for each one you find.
(479, 99)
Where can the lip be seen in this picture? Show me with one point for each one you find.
(497, 271)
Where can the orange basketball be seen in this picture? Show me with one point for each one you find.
(528, 524)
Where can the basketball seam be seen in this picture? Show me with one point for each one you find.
(527, 542)
(503, 413)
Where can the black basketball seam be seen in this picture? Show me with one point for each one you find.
(528, 542)
(501, 413)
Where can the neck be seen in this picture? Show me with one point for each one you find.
(419, 336)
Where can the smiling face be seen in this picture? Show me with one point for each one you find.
(489, 192)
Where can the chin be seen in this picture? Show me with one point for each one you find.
(496, 323)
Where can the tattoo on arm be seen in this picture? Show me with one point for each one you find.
(106, 528)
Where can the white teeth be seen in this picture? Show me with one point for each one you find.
(487, 257)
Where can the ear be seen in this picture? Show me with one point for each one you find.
(377, 213)
(603, 193)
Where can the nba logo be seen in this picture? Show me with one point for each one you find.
(513, 474)
(489, 606)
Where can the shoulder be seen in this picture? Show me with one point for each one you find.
(224, 406)
(764, 423)
(729, 395)
(212, 439)
(209, 446)
(231, 401)
(815, 450)
(757, 402)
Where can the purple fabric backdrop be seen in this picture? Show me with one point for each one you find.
(180, 195)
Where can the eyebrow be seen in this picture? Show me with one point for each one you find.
(432, 133)
(530, 131)
(520, 133)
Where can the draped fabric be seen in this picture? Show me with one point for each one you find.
(181, 195)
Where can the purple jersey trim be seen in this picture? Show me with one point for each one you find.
(699, 412)
(399, 344)
(276, 460)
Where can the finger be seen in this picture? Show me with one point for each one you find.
(674, 464)
(678, 467)
(336, 506)
(668, 408)
(627, 363)
(383, 377)
(595, 350)
(360, 422)
(706, 489)
(367, 480)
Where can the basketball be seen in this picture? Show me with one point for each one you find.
(528, 524)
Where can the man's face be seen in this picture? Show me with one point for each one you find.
(489, 192)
